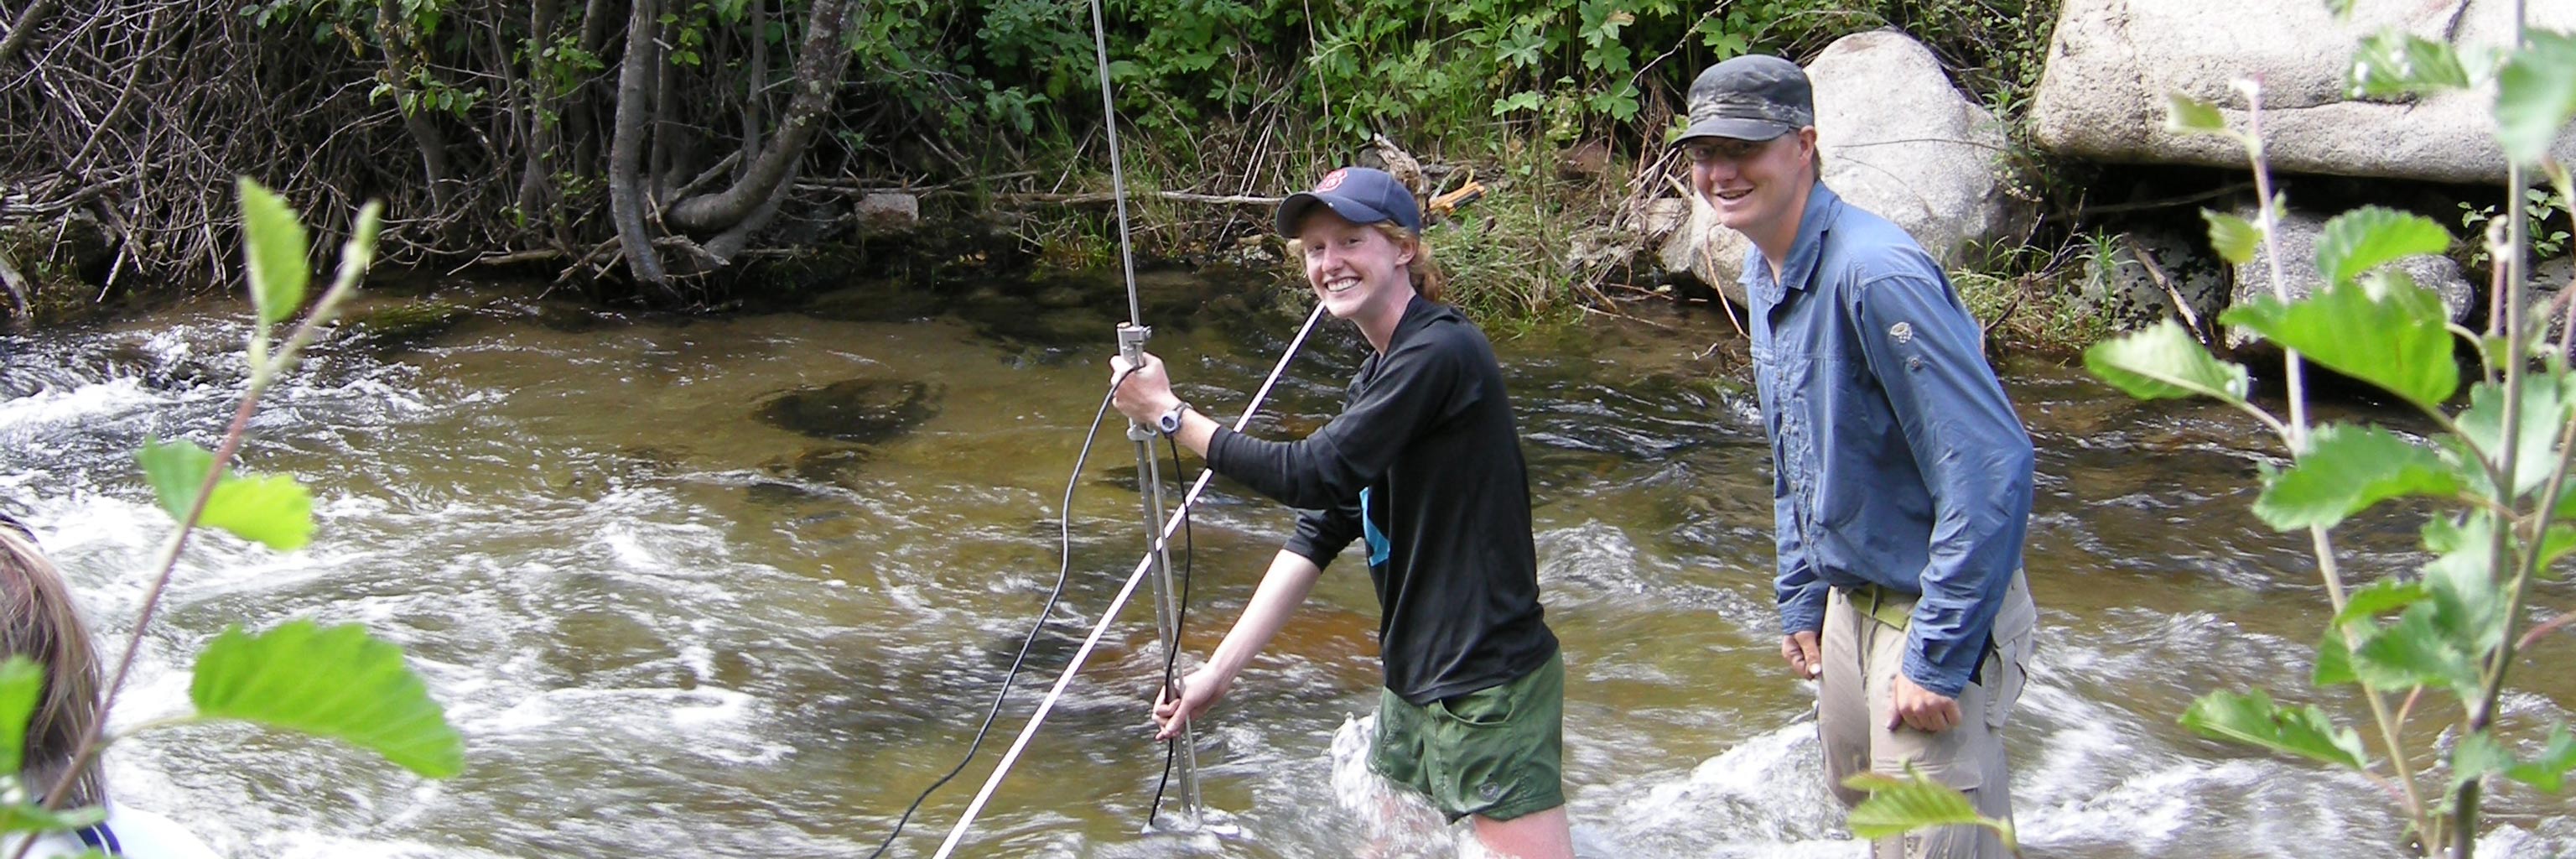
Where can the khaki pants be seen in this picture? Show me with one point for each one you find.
(1861, 658)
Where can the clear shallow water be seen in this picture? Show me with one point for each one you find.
(668, 628)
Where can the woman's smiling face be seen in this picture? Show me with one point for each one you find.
(1353, 268)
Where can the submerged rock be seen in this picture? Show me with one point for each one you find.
(867, 411)
(408, 321)
(831, 466)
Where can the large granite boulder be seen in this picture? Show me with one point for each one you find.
(2297, 236)
(1899, 140)
(2112, 63)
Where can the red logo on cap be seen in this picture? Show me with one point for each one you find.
(1332, 180)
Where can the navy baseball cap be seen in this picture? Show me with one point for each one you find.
(1751, 97)
(1361, 195)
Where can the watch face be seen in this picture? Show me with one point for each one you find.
(1171, 421)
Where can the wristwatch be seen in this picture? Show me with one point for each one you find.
(1170, 422)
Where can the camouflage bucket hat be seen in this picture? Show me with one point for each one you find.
(1750, 98)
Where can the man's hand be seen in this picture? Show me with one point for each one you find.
(1144, 394)
(1805, 656)
(1919, 708)
(1199, 691)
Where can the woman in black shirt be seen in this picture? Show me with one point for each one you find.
(1424, 463)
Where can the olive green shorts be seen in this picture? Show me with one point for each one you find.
(1497, 752)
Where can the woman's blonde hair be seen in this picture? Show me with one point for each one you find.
(39, 621)
(1428, 278)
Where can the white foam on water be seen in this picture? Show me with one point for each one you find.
(1398, 822)
(720, 721)
(1764, 798)
(1588, 561)
(2094, 778)
(55, 407)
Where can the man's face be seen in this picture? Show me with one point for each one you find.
(1754, 184)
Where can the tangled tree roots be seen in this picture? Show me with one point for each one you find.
(494, 132)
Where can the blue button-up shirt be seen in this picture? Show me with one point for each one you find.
(1895, 458)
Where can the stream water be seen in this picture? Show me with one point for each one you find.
(684, 597)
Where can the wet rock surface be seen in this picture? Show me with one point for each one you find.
(868, 411)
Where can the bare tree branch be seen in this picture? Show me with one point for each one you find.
(626, 148)
(818, 76)
(25, 29)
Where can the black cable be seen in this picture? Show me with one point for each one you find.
(1171, 655)
(1063, 572)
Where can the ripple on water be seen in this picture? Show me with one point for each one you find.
(660, 622)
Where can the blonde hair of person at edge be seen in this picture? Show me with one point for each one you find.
(1424, 464)
(39, 620)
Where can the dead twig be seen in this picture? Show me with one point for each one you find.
(2157, 273)
(1100, 197)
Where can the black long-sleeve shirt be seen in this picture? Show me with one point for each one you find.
(1425, 462)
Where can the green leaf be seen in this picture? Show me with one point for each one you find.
(2334, 661)
(2369, 237)
(2395, 62)
(2164, 362)
(2536, 95)
(2555, 544)
(2465, 607)
(2418, 650)
(2381, 597)
(2340, 8)
(22, 681)
(338, 682)
(2253, 719)
(2548, 772)
(273, 510)
(175, 470)
(2398, 340)
(274, 246)
(1517, 102)
(30, 817)
(2345, 470)
(270, 509)
(2547, 401)
(2477, 756)
(1898, 806)
(2234, 238)
(2187, 115)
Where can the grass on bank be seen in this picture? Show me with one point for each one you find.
(1507, 254)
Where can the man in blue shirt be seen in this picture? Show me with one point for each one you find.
(1901, 478)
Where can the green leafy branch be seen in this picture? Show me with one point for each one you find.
(338, 682)
(1897, 806)
(2501, 460)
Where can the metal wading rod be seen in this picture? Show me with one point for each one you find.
(1083, 653)
(1167, 616)
(1149, 470)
